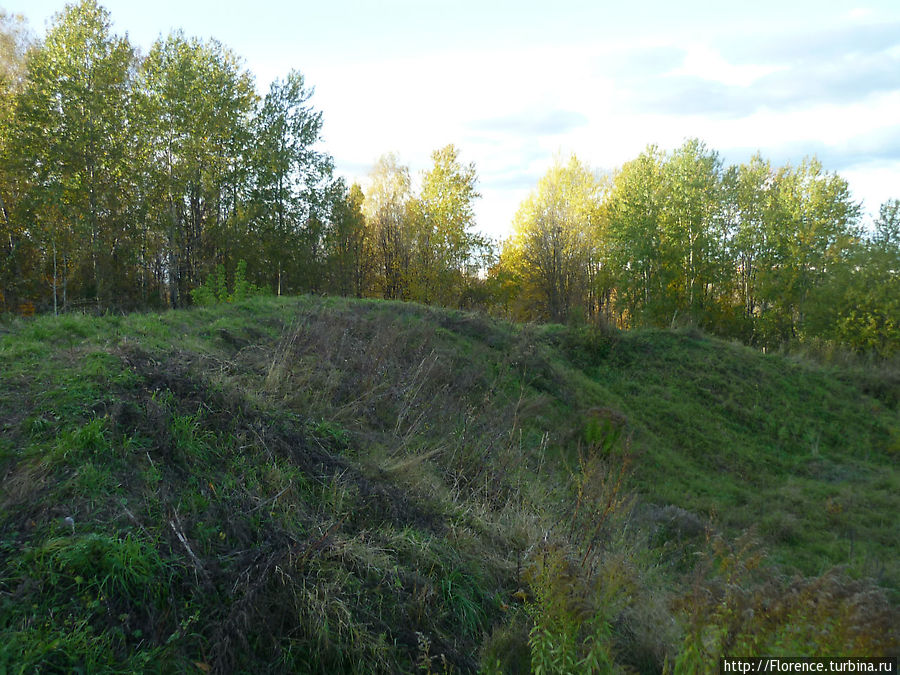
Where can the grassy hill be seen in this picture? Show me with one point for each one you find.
(329, 485)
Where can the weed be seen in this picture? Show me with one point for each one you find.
(571, 633)
(736, 606)
(100, 564)
(94, 482)
(88, 442)
(335, 434)
(191, 441)
(461, 595)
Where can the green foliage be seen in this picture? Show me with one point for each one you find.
(334, 433)
(15, 42)
(215, 290)
(71, 645)
(196, 103)
(507, 649)
(462, 595)
(88, 442)
(732, 609)
(634, 241)
(243, 289)
(158, 167)
(570, 635)
(81, 579)
(15, 39)
(292, 190)
(857, 306)
(205, 295)
(98, 564)
(554, 248)
(131, 180)
(191, 441)
(578, 590)
(76, 93)
(444, 246)
(602, 432)
(391, 212)
(686, 238)
(347, 245)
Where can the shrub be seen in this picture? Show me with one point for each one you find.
(215, 289)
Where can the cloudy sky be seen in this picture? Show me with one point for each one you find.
(515, 83)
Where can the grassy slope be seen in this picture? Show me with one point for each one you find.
(760, 440)
(308, 484)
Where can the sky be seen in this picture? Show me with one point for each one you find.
(516, 84)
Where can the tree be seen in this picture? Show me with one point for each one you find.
(815, 227)
(15, 41)
(121, 177)
(197, 104)
(858, 303)
(555, 238)
(347, 244)
(292, 184)
(391, 212)
(444, 243)
(72, 139)
(887, 227)
(692, 237)
(751, 201)
(633, 211)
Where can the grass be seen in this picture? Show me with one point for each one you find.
(773, 432)
(331, 485)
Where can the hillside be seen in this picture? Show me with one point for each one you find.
(329, 485)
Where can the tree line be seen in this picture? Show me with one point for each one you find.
(768, 255)
(132, 180)
(129, 180)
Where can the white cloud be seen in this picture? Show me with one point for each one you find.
(860, 13)
(874, 184)
(707, 63)
(512, 111)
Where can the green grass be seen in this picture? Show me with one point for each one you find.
(333, 485)
(725, 430)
